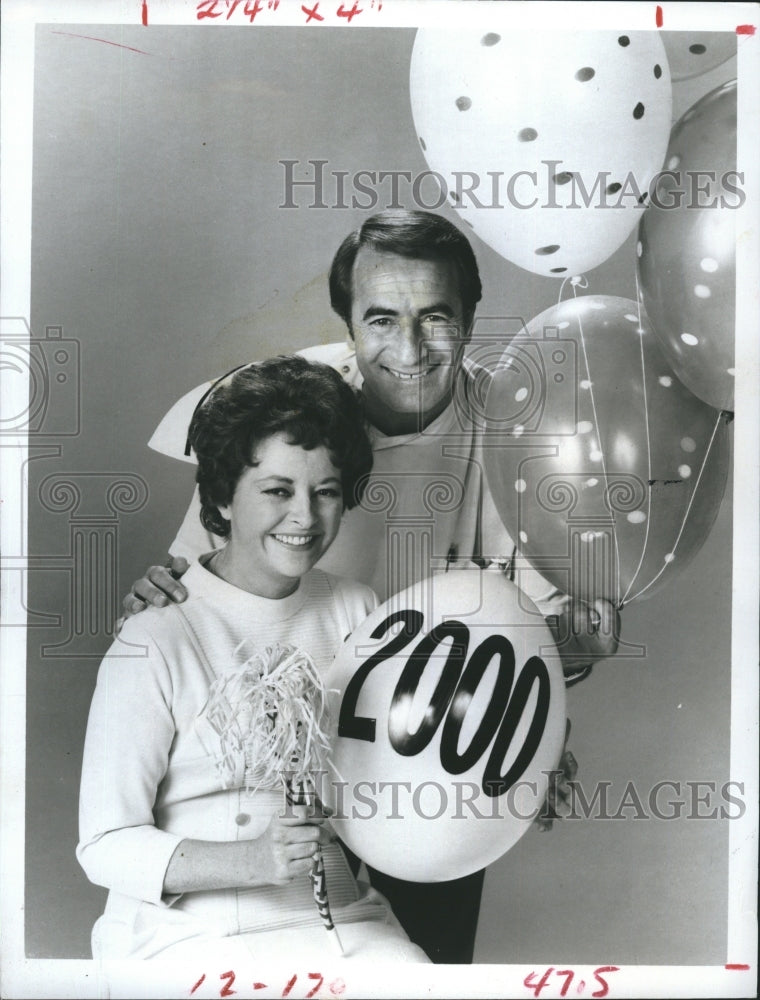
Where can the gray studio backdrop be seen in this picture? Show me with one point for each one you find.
(160, 258)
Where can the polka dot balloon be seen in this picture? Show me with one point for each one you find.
(687, 263)
(545, 144)
(617, 475)
(691, 53)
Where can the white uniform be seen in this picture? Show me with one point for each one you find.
(151, 778)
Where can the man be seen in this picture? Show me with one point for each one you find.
(407, 285)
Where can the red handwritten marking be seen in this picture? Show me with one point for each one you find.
(531, 984)
(207, 8)
(320, 979)
(227, 990)
(658, 16)
(252, 11)
(337, 986)
(745, 29)
(349, 14)
(537, 985)
(105, 41)
(145, 13)
(312, 14)
(568, 974)
(737, 967)
(603, 982)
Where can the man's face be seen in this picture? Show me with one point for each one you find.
(410, 333)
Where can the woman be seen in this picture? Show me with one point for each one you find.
(176, 819)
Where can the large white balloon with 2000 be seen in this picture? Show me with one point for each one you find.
(447, 714)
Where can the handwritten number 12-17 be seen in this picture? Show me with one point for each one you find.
(337, 986)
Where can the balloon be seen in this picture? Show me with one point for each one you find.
(691, 53)
(560, 179)
(608, 471)
(687, 252)
(448, 705)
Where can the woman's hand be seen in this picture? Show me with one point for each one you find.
(291, 841)
(285, 850)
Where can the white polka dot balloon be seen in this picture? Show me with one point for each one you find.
(687, 265)
(617, 477)
(544, 143)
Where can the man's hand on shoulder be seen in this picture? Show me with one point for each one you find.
(158, 587)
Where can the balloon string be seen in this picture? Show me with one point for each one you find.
(596, 423)
(576, 281)
(688, 508)
(649, 447)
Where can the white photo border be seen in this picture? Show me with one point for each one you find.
(23, 977)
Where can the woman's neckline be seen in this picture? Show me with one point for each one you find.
(206, 584)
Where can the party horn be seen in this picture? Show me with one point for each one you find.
(298, 795)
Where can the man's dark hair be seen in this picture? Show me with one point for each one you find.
(415, 234)
(307, 401)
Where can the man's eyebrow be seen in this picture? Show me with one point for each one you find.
(435, 307)
(439, 307)
(378, 311)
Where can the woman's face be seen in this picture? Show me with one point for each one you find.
(284, 515)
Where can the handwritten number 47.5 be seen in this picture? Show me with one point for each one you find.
(536, 985)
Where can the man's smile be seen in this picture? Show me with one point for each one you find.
(408, 376)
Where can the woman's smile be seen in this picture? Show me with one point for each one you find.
(298, 541)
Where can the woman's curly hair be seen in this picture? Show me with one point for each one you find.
(305, 400)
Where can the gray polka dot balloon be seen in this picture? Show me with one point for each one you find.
(692, 53)
(545, 142)
(686, 252)
(604, 466)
